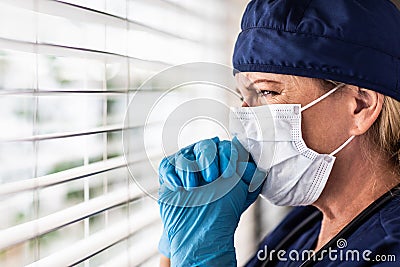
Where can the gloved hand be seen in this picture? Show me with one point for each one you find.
(200, 211)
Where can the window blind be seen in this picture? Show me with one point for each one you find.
(68, 70)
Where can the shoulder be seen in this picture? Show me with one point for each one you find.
(376, 242)
(385, 248)
(385, 223)
(381, 233)
(389, 218)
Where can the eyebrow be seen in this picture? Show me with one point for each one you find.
(265, 81)
(256, 82)
(253, 85)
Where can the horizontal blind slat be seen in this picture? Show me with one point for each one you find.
(67, 175)
(22, 232)
(70, 51)
(98, 242)
(62, 177)
(85, 14)
(92, 15)
(68, 92)
(98, 130)
(138, 253)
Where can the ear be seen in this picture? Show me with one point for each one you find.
(366, 108)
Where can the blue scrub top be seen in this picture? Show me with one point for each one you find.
(376, 241)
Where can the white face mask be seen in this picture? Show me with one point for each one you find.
(296, 174)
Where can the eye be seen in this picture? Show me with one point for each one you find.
(268, 92)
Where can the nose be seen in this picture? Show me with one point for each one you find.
(245, 105)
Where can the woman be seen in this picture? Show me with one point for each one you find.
(335, 67)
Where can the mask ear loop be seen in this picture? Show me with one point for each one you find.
(312, 104)
(342, 146)
(322, 97)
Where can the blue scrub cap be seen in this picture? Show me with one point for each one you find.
(351, 41)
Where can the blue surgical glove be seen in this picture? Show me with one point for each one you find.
(204, 190)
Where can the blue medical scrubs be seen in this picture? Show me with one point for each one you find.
(378, 238)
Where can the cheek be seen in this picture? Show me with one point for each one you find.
(324, 127)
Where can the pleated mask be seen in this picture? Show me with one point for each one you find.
(296, 174)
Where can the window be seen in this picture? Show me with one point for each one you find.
(67, 72)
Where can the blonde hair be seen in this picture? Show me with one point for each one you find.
(396, 3)
(385, 132)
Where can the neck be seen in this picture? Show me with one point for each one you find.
(355, 183)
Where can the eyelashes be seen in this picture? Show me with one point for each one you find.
(252, 98)
(267, 93)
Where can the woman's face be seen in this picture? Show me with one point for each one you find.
(324, 125)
